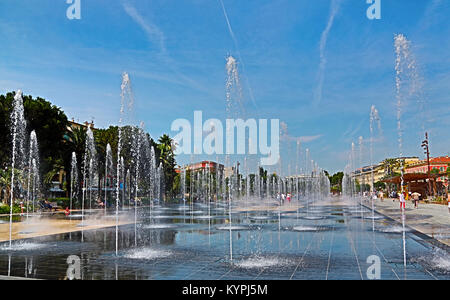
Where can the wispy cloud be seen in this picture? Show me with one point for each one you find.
(157, 36)
(284, 135)
(428, 18)
(323, 43)
(308, 139)
(153, 32)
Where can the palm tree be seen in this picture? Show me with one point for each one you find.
(167, 158)
(57, 166)
(76, 140)
(166, 149)
(390, 165)
(5, 182)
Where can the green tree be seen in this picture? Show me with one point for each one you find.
(75, 142)
(5, 183)
(435, 172)
(167, 158)
(50, 124)
(336, 181)
(58, 166)
(103, 137)
(390, 165)
(380, 185)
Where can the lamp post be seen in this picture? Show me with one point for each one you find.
(425, 146)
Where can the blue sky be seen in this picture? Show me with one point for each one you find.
(175, 50)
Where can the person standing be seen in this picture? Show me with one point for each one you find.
(416, 198)
(381, 195)
(402, 201)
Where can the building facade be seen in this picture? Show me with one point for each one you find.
(204, 165)
(437, 164)
(381, 170)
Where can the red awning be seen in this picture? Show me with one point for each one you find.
(410, 177)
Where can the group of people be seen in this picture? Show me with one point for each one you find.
(283, 197)
(415, 197)
(403, 197)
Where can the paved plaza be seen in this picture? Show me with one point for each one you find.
(324, 240)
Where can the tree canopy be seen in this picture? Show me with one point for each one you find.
(57, 140)
(49, 122)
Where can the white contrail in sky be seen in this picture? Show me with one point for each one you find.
(323, 43)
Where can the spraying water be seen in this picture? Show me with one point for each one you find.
(374, 118)
(138, 137)
(402, 57)
(108, 168)
(74, 179)
(126, 100)
(88, 174)
(18, 134)
(33, 181)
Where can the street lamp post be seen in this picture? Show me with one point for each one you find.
(426, 147)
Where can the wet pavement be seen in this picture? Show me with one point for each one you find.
(430, 219)
(324, 240)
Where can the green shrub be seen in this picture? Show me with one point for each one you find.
(440, 200)
(5, 209)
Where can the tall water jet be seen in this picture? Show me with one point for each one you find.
(33, 181)
(126, 100)
(374, 118)
(233, 87)
(353, 167)
(363, 178)
(347, 183)
(89, 167)
(127, 186)
(402, 64)
(18, 135)
(162, 182)
(183, 185)
(108, 168)
(361, 154)
(234, 105)
(73, 179)
(138, 137)
(152, 174)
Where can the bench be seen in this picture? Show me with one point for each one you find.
(55, 206)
